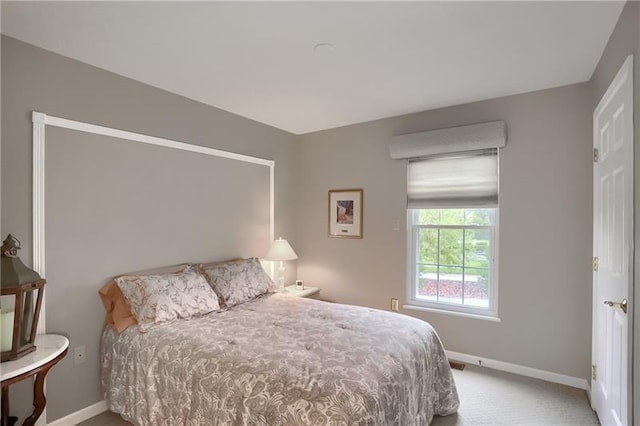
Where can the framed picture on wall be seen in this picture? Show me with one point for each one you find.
(345, 213)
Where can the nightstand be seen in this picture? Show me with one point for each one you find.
(310, 292)
(50, 348)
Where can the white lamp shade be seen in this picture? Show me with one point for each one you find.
(281, 250)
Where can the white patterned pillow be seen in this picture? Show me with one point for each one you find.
(238, 281)
(156, 299)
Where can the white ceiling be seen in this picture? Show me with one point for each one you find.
(256, 59)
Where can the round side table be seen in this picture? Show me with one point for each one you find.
(50, 348)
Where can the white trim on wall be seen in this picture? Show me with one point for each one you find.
(40, 121)
(272, 205)
(81, 415)
(574, 382)
(38, 205)
(38, 117)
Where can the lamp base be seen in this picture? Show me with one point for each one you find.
(281, 277)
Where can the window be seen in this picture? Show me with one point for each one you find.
(453, 259)
(452, 215)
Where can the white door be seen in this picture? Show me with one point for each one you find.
(613, 249)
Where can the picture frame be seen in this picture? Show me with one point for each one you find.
(345, 213)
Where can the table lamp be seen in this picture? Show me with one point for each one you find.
(280, 251)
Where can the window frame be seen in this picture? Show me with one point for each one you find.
(413, 247)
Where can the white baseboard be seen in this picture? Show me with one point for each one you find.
(81, 415)
(562, 379)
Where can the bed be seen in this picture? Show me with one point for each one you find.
(279, 360)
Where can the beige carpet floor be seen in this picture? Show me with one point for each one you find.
(490, 398)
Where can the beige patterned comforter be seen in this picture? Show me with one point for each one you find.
(280, 360)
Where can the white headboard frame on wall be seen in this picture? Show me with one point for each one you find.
(41, 120)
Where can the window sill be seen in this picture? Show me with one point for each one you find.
(452, 313)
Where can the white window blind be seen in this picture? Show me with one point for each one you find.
(463, 179)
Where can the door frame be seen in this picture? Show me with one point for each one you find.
(633, 345)
(634, 291)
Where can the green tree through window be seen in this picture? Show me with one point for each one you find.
(454, 256)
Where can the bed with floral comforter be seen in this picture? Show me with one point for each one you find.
(280, 360)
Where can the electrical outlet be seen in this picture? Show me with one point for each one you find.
(79, 354)
(394, 305)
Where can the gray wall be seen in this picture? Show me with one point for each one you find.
(625, 40)
(34, 79)
(545, 225)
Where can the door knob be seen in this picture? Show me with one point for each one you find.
(622, 304)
